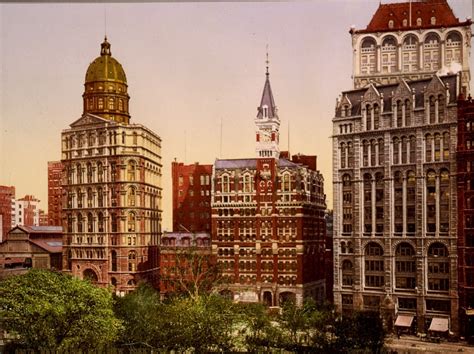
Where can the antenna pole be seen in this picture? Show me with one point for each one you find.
(220, 143)
(185, 146)
(105, 20)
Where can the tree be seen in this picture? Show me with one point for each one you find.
(193, 272)
(50, 310)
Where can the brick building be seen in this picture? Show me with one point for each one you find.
(7, 210)
(54, 193)
(394, 167)
(465, 209)
(268, 227)
(186, 263)
(111, 185)
(191, 197)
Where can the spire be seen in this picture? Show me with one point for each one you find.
(105, 47)
(267, 108)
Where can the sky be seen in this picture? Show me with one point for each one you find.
(189, 66)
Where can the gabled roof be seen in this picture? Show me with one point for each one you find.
(267, 100)
(39, 229)
(51, 245)
(424, 9)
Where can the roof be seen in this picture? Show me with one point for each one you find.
(41, 229)
(267, 100)
(424, 9)
(105, 67)
(356, 96)
(248, 163)
(52, 245)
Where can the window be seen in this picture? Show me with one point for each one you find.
(100, 222)
(412, 150)
(347, 273)
(100, 172)
(225, 184)
(410, 54)
(114, 222)
(431, 52)
(368, 117)
(374, 266)
(396, 151)
(131, 196)
(453, 48)
(132, 261)
(379, 203)
(444, 201)
(100, 103)
(131, 222)
(431, 201)
(90, 223)
(80, 223)
(111, 103)
(405, 267)
(411, 202)
(100, 197)
(346, 204)
(343, 155)
(389, 54)
(90, 198)
(367, 203)
(429, 148)
(438, 267)
(247, 183)
(368, 56)
(365, 153)
(131, 170)
(113, 260)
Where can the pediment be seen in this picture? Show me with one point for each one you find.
(435, 86)
(345, 101)
(372, 94)
(402, 91)
(89, 119)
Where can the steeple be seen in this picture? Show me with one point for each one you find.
(267, 122)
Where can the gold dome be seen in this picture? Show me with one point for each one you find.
(105, 89)
(105, 67)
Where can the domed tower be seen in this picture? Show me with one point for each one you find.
(105, 88)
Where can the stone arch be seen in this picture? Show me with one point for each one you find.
(91, 275)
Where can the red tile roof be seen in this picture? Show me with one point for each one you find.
(424, 9)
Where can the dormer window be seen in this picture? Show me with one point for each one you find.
(405, 22)
(433, 20)
(418, 21)
(390, 24)
(265, 111)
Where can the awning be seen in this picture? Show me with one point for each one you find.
(404, 320)
(439, 324)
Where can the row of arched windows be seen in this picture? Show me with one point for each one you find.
(96, 172)
(96, 223)
(413, 54)
(405, 267)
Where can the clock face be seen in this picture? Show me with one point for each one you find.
(266, 136)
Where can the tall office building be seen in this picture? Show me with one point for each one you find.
(55, 193)
(394, 167)
(112, 185)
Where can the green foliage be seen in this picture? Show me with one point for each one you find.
(49, 310)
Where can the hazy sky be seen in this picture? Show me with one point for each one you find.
(188, 66)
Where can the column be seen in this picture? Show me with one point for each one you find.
(399, 57)
(379, 57)
(376, 154)
(442, 46)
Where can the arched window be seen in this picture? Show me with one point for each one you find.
(132, 261)
(389, 55)
(373, 151)
(374, 266)
(438, 267)
(347, 273)
(225, 184)
(379, 203)
(100, 172)
(396, 151)
(80, 198)
(367, 203)
(120, 104)
(410, 53)
(441, 102)
(80, 223)
(419, 22)
(100, 104)
(343, 155)
(381, 152)
(80, 173)
(376, 116)
(411, 202)
(405, 266)
(431, 201)
(100, 197)
(131, 170)
(131, 221)
(444, 201)
(428, 148)
(90, 223)
(432, 110)
(453, 48)
(346, 204)
(114, 222)
(431, 52)
(90, 198)
(404, 149)
(398, 202)
(446, 143)
(131, 196)
(247, 183)
(111, 103)
(437, 147)
(408, 108)
(113, 260)
(399, 118)
(69, 223)
(368, 62)
(368, 117)
(100, 222)
(365, 153)
(350, 155)
(412, 149)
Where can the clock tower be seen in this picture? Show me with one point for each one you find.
(267, 123)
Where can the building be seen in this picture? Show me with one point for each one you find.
(411, 40)
(186, 263)
(394, 167)
(191, 197)
(7, 210)
(31, 247)
(465, 210)
(329, 256)
(27, 211)
(54, 193)
(268, 227)
(43, 218)
(112, 185)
